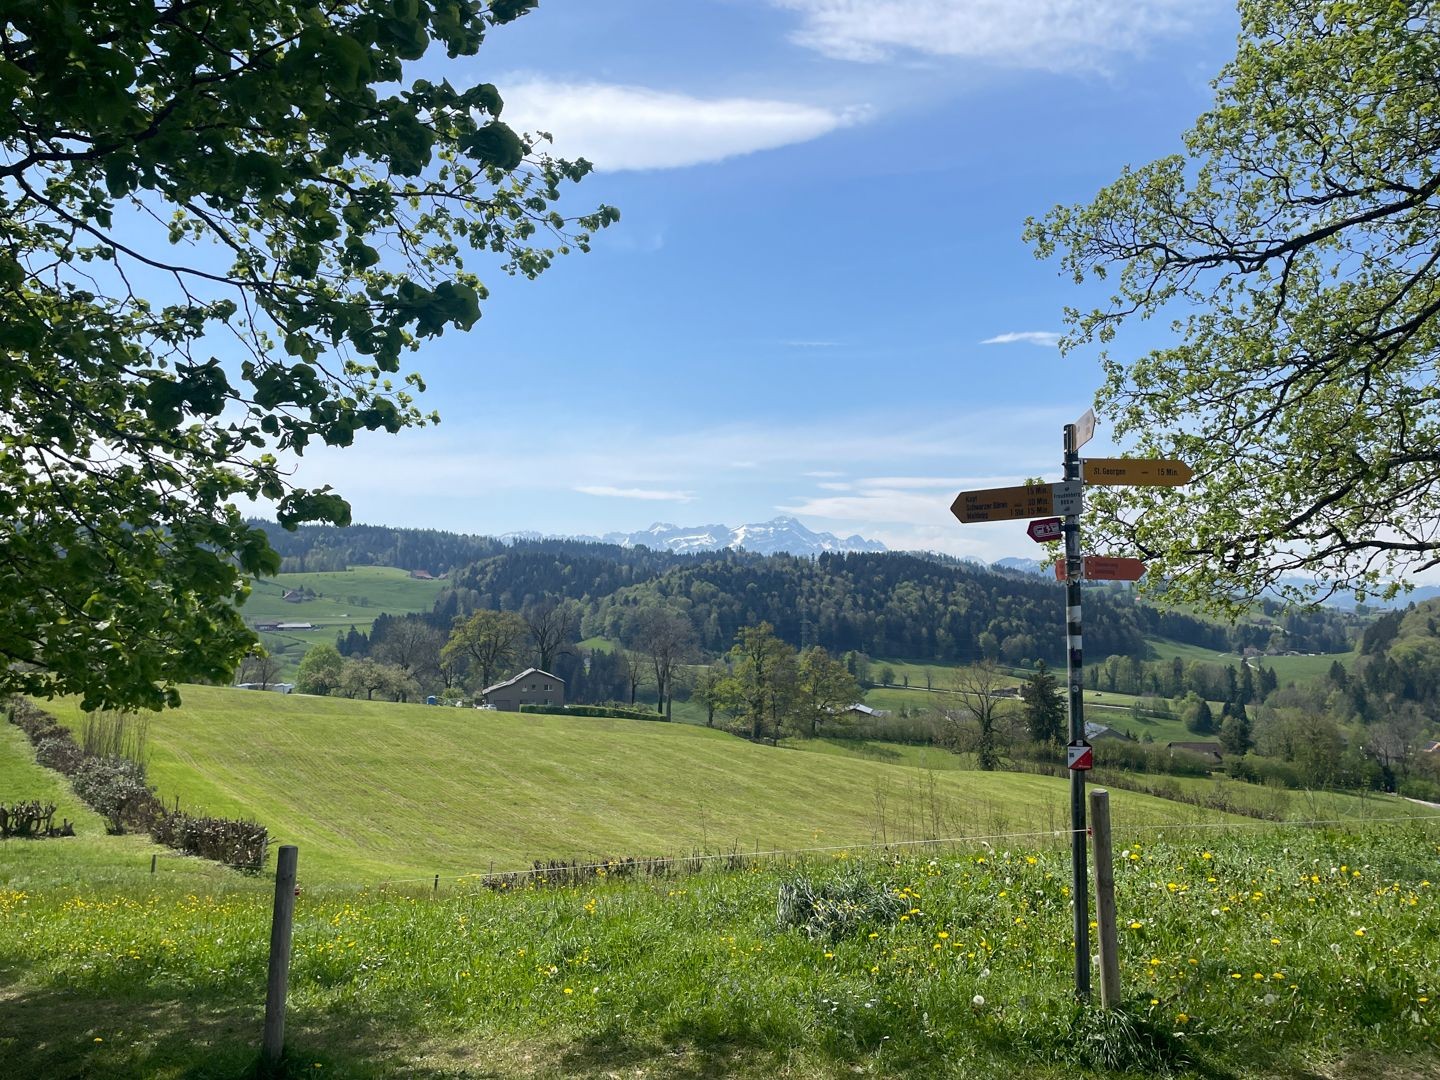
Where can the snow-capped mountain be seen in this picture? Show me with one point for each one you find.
(764, 538)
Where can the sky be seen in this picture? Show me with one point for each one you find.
(817, 301)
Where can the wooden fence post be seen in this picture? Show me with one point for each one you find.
(273, 1042)
(1105, 900)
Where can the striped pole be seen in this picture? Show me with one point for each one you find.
(1079, 884)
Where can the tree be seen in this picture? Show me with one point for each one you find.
(259, 668)
(1044, 707)
(1296, 241)
(710, 691)
(823, 687)
(1235, 731)
(322, 207)
(413, 645)
(634, 666)
(487, 641)
(552, 624)
(667, 637)
(367, 676)
(320, 670)
(764, 674)
(1197, 715)
(977, 690)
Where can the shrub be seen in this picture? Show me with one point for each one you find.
(623, 712)
(836, 908)
(30, 819)
(116, 789)
(59, 753)
(241, 844)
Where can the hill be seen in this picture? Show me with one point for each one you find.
(376, 791)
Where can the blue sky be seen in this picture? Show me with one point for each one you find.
(817, 301)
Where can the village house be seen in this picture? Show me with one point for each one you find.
(531, 687)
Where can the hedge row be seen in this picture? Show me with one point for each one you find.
(117, 789)
(620, 711)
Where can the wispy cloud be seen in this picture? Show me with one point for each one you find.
(1054, 35)
(633, 127)
(1030, 337)
(647, 494)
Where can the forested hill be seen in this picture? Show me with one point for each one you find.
(883, 604)
(320, 548)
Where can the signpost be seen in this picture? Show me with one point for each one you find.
(1045, 530)
(1014, 503)
(1059, 506)
(1106, 568)
(1134, 472)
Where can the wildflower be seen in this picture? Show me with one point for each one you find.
(1360, 932)
(978, 1001)
(1182, 1018)
(568, 990)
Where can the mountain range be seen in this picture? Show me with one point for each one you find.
(780, 535)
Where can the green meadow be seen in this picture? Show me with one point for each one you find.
(852, 945)
(343, 599)
(374, 791)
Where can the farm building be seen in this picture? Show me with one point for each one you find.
(531, 687)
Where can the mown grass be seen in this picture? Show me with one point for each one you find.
(375, 791)
(1245, 953)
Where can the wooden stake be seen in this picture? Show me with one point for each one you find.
(272, 1044)
(1105, 900)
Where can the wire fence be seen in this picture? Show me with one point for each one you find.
(568, 871)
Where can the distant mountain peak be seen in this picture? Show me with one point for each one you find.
(780, 534)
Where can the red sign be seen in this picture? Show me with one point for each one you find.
(1080, 755)
(1045, 530)
(1105, 568)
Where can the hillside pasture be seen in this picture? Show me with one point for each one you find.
(379, 791)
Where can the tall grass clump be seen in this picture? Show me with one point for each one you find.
(113, 734)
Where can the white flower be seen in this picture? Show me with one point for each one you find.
(978, 1001)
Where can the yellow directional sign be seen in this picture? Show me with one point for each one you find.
(1134, 471)
(1012, 503)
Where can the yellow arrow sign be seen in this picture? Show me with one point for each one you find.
(1009, 504)
(1135, 471)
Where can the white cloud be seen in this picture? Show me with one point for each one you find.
(1030, 337)
(921, 483)
(1053, 35)
(648, 494)
(834, 485)
(633, 127)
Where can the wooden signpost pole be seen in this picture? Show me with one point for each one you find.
(1037, 502)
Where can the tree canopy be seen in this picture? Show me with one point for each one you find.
(222, 226)
(1295, 244)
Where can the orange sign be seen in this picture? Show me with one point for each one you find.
(1012, 503)
(1138, 472)
(1105, 568)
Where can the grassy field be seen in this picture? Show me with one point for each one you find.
(1249, 949)
(377, 791)
(343, 599)
(1280, 952)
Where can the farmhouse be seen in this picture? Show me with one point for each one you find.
(531, 687)
(861, 711)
